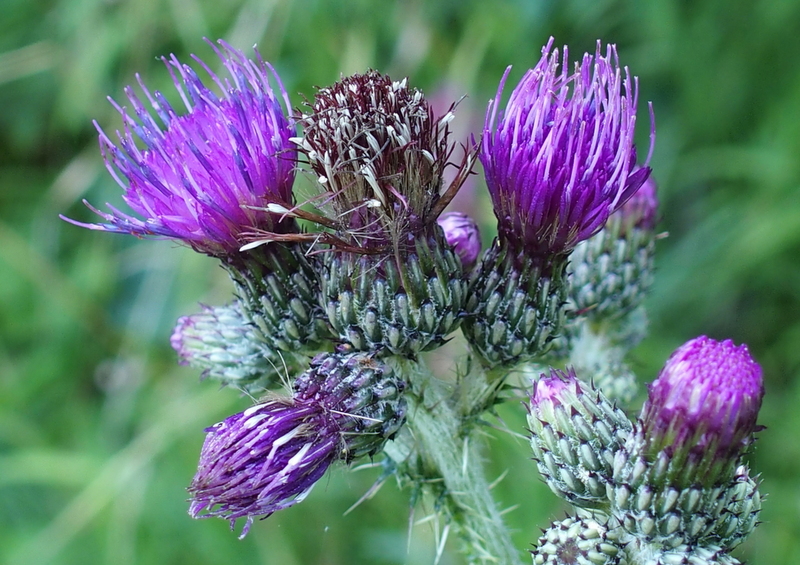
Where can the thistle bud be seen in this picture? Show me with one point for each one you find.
(558, 161)
(576, 541)
(575, 432)
(390, 281)
(463, 235)
(701, 412)
(678, 479)
(270, 456)
(226, 345)
(611, 273)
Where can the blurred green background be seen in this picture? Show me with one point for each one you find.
(100, 429)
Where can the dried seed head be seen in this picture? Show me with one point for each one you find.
(379, 153)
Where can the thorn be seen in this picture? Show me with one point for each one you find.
(442, 542)
(498, 479)
(372, 491)
(509, 509)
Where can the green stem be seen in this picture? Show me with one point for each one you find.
(449, 451)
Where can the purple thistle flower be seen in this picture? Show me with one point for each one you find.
(462, 234)
(704, 404)
(262, 460)
(560, 158)
(270, 456)
(206, 176)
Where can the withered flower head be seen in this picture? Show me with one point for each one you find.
(379, 153)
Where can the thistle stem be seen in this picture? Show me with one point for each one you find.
(450, 452)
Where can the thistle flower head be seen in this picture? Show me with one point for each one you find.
(262, 460)
(462, 234)
(560, 158)
(704, 403)
(268, 457)
(204, 176)
(379, 153)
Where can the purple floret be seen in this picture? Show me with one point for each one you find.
(706, 398)
(262, 460)
(462, 234)
(205, 176)
(560, 158)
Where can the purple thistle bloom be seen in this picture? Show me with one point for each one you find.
(704, 403)
(268, 457)
(262, 460)
(560, 158)
(204, 177)
(462, 234)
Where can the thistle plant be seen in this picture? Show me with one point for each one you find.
(336, 296)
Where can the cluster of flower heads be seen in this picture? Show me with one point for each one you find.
(672, 485)
(378, 271)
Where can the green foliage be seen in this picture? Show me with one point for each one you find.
(100, 430)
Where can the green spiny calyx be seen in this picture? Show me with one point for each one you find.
(723, 515)
(278, 288)
(364, 394)
(516, 306)
(228, 347)
(611, 273)
(401, 304)
(575, 432)
(578, 541)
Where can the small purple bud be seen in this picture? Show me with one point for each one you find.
(560, 158)
(641, 210)
(575, 431)
(704, 404)
(183, 332)
(462, 234)
(205, 176)
(553, 388)
(224, 343)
